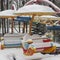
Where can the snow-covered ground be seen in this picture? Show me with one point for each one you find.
(8, 53)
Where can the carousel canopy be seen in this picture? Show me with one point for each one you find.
(49, 17)
(35, 9)
(45, 18)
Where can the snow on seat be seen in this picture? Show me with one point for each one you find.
(13, 40)
(43, 45)
(36, 38)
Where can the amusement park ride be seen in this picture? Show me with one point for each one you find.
(44, 45)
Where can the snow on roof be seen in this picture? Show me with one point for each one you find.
(34, 8)
(48, 16)
(7, 13)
